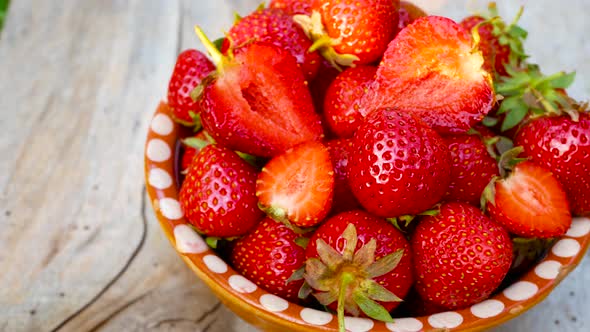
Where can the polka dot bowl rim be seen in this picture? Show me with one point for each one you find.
(243, 296)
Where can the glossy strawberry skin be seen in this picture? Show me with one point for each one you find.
(563, 147)
(388, 238)
(275, 27)
(189, 153)
(472, 168)
(260, 105)
(408, 13)
(429, 69)
(496, 55)
(190, 69)
(340, 151)
(292, 7)
(460, 256)
(400, 166)
(530, 202)
(268, 256)
(218, 195)
(363, 27)
(341, 104)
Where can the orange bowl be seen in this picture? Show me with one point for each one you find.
(271, 313)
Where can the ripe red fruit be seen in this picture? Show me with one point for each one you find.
(190, 69)
(432, 71)
(340, 151)
(218, 195)
(351, 32)
(268, 256)
(460, 256)
(341, 104)
(297, 186)
(562, 146)
(530, 202)
(275, 27)
(400, 166)
(408, 13)
(496, 56)
(359, 263)
(292, 7)
(259, 102)
(191, 147)
(472, 168)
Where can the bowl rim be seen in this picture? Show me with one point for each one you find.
(534, 286)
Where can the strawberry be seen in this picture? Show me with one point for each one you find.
(432, 70)
(400, 165)
(562, 146)
(192, 146)
(472, 168)
(460, 256)
(495, 55)
(351, 32)
(318, 88)
(269, 256)
(292, 7)
(275, 27)
(297, 186)
(191, 68)
(341, 104)
(218, 194)
(359, 263)
(340, 151)
(259, 102)
(408, 13)
(530, 202)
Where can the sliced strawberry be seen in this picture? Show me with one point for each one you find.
(530, 202)
(432, 70)
(297, 186)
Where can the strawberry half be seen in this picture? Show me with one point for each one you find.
(432, 70)
(259, 102)
(297, 187)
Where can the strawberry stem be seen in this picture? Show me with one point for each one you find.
(218, 58)
(345, 279)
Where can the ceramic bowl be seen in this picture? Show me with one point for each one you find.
(271, 313)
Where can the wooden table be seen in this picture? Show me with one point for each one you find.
(79, 247)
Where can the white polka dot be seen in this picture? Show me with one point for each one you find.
(521, 291)
(241, 284)
(215, 264)
(580, 227)
(355, 324)
(157, 150)
(566, 248)
(488, 308)
(315, 317)
(159, 178)
(273, 303)
(162, 124)
(170, 208)
(188, 241)
(548, 270)
(445, 320)
(405, 325)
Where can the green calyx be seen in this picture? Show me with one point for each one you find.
(281, 215)
(402, 223)
(347, 277)
(219, 60)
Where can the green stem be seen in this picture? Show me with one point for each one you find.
(346, 279)
(218, 58)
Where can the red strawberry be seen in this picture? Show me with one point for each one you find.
(359, 263)
(269, 255)
(292, 7)
(275, 27)
(530, 202)
(192, 146)
(431, 70)
(400, 166)
(460, 256)
(340, 151)
(218, 194)
(297, 186)
(472, 168)
(341, 104)
(562, 145)
(351, 32)
(191, 67)
(259, 103)
(408, 13)
(318, 88)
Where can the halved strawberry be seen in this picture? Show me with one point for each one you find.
(530, 202)
(431, 69)
(297, 186)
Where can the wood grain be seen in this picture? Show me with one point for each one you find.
(79, 248)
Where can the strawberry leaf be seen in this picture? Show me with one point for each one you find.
(377, 292)
(514, 116)
(304, 291)
(365, 256)
(350, 236)
(372, 308)
(325, 298)
(297, 275)
(328, 255)
(563, 81)
(385, 264)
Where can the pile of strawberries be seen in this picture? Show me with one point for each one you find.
(353, 154)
